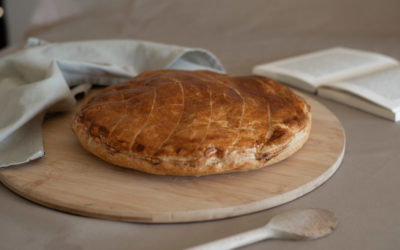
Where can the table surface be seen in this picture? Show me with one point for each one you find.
(363, 193)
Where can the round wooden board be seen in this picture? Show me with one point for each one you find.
(70, 179)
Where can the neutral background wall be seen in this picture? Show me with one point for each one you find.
(18, 14)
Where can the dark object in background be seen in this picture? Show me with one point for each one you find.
(3, 32)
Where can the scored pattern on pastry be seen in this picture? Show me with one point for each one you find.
(193, 122)
(145, 123)
(216, 80)
(180, 116)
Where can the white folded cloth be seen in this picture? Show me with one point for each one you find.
(44, 77)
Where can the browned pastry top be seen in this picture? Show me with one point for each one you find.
(174, 115)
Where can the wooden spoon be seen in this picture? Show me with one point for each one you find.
(299, 224)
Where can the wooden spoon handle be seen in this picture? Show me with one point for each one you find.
(237, 240)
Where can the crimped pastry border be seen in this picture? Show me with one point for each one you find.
(181, 166)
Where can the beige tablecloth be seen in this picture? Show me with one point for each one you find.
(364, 193)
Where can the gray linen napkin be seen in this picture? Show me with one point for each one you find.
(44, 77)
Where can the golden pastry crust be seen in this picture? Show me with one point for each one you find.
(193, 123)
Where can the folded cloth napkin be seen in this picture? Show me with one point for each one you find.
(44, 77)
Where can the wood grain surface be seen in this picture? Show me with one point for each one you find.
(72, 180)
